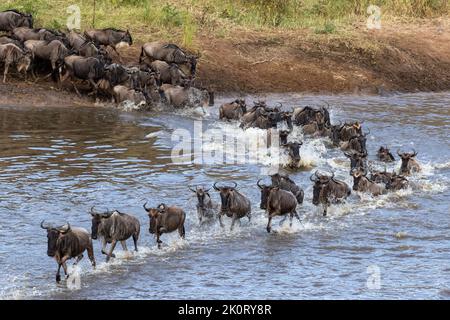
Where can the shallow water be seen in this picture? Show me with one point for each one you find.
(58, 162)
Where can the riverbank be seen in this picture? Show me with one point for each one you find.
(401, 57)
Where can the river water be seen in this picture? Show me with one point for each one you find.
(55, 163)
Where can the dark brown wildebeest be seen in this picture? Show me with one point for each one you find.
(169, 53)
(409, 163)
(356, 143)
(111, 37)
(83, 46)
(113, 226)
(233, 110)
(84, 68)
(397, 182)
(54, 52)
(357, 159)
(293, 150)
(385, 155)
(12, 55)
(65, 243)
(169, 73)
(285, 183)
(277, 202)
(234, 204)
(11, 19)
(363, 184)
(165, 219)
(187, 96)
(206, 208)
(381, 176)
(327, 190)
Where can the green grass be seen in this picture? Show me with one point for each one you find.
(181, 20)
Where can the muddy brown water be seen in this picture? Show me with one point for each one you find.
(55, 163)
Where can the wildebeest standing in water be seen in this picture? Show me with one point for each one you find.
(110, 37)
(234, 204)
(327, 190)
(206, 208)
(169, 53)
(10, 54)
(164, 219)
(113, 226)
(11, 19)
(409, 163)
(277, 202)
(385, 155)
(65, 242)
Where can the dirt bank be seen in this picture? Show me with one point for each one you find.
(399, 57)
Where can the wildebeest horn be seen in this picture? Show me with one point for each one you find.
(44, 227)
(260, 186)
(145, 208)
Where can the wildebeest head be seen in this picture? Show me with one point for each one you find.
(319, 189)
(201, 194)
(265, 191)
(97, 218)
(385, 155)
(357, 159)
(294, 151)
(53, 234)
(406, 157)
(154, 214)
(226, 193)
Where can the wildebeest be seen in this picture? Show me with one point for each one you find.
(285, 183)
(65, 242)
(293, 150)
(169, 53)
(12, 55)
(54, 52)
(23, 34)
(234, 204)
(233, 110)
(356, 143)
(206, 208)
(113, 226)
(164, 219)
(11, 19)
(169, 73)
(385, 155)
(123, 93)
(277, 202)
(328, 190)
(187, 96)
(363, 184)
(83, 46)
(409, 163)
(397, 182)
(110, 37)
(84, 68)
(357, 159)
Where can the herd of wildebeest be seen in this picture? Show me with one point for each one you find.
(165, 72)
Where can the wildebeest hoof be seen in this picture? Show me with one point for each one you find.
(58, 278)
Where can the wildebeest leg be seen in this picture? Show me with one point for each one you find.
(90, 252)
(5, 72)
(124, 245)
(181, 231)
(78, 259)
(220, 220)
(135, 239)
(111, 249)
